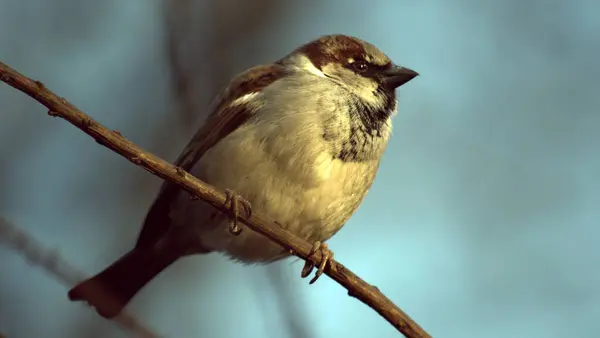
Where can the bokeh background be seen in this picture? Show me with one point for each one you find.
(483, 220)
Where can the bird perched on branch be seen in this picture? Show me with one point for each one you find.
(299, 139)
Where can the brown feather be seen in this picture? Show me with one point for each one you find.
(224, 119)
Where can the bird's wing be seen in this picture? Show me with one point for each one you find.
(226, 116)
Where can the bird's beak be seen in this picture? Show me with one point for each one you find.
(397, 76)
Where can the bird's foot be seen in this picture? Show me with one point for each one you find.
(233, 202)
(326, 256)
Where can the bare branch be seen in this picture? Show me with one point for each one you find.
(113, 140)
(35, 254)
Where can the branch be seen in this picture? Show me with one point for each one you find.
(51, 262)
(113, 140)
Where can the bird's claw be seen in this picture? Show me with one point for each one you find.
(326, 256)
(233, 201)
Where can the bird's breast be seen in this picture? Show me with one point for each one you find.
(285, 171)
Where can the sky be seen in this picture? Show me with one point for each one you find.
(482, 221)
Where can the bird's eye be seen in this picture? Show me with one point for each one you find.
(360, 66)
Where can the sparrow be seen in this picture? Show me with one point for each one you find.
(299, 139)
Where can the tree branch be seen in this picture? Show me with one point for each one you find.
(51, 262)
(113, 140)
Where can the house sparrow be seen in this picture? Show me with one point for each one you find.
(299, 139)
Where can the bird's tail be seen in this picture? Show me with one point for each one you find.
(111, 290)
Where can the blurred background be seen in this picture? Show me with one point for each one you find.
(483, 220)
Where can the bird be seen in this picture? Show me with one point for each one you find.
(299, 139)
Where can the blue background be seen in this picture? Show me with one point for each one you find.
(482, 222)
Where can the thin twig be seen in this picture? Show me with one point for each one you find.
(49, 260)
(113, 140)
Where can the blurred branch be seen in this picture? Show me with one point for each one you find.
(177, 18)
(113, 140)
(35, 253)
(295, 320)
(193, 51)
